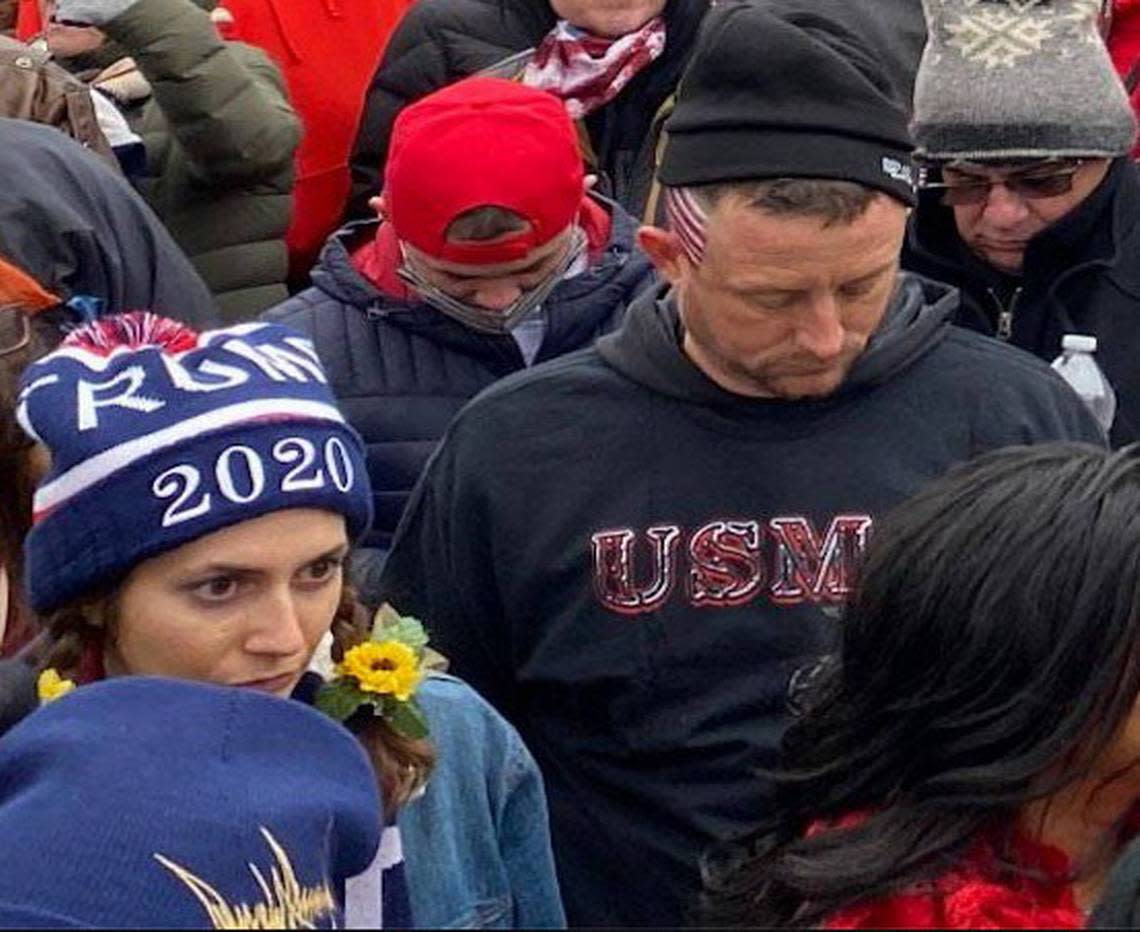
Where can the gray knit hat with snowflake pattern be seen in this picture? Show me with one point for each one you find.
(1012, 79)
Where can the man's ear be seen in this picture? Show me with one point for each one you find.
(664, 249)
(379, 205)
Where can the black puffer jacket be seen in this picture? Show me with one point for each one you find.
(402, 370)
(440, 41)
(1082, 275)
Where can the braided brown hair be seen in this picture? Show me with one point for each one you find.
(74, 636)
(402, 764)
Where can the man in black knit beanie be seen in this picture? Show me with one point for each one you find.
(631, 551)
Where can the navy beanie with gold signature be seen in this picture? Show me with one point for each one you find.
(140, 802)
(794, 95)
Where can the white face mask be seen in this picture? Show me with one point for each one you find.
(483, 319)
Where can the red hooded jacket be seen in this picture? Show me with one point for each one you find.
(1124, 47)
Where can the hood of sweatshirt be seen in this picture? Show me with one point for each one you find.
(647, 348)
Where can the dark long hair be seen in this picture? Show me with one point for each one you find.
(990, 655)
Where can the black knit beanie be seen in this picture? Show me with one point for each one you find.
(785, 96)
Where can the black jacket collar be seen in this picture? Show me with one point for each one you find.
(576, 311)
(1093, 234)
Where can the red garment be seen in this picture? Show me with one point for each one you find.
(480, 142)
(976, 894)
(587, 72)
(327, 51)
(379, 258)
(28, 21)
(1124, 47)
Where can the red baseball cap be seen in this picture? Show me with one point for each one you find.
(483, 142)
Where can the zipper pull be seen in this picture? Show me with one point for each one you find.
(1005, 314)
(1005, 325)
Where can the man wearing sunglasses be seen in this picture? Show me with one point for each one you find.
(1030, 203)
(488, 256)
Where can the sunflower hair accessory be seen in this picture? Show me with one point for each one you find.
(50, 686)
(382, 672)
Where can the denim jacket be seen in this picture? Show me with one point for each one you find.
(477, 842)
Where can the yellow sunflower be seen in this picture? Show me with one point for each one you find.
(388, 667)
(51, 686)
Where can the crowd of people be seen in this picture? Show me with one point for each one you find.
(592, 463)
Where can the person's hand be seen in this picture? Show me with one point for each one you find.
(90, 12)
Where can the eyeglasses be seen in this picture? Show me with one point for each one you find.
(15, 330)
(1049, 179)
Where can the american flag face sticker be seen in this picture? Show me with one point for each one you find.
(687, 218)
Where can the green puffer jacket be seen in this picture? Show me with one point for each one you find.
(220, 136)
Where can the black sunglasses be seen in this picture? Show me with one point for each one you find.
(1049, 179)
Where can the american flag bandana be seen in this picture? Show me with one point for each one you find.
(687, 218)
(587, 72)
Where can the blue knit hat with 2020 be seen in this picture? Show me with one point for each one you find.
(160, 435)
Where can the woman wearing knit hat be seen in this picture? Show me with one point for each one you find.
(203, 496)
(76, 241)
(257, 824)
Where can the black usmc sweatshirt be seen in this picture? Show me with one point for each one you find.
(630, 562)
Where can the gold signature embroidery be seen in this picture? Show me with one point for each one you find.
(287, 904)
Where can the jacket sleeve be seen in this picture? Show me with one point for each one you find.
(118, 250)
(413, 65)
(524, 840)
(440, 570)
(225, 103)
(1032, 404)
(1119, 906)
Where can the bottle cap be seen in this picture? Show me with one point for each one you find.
(1078, 343)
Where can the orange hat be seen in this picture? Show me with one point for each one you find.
(19, 289)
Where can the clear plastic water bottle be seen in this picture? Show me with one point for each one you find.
(1077, 366)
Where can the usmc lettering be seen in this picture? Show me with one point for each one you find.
(729, 562)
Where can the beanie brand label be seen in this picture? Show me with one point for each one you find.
(898, 170)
